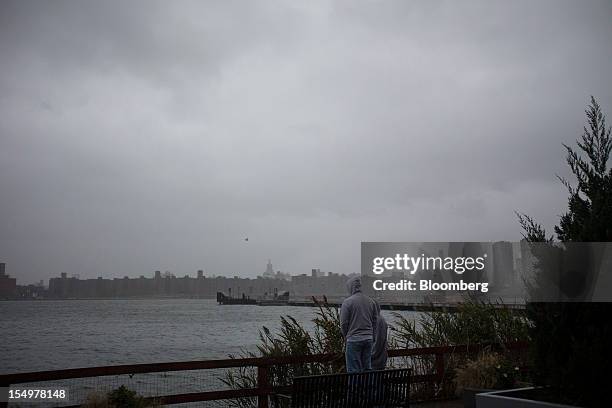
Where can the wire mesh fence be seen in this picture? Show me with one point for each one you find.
(148, 385)
(239, 382)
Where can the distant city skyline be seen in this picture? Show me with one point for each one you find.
(270, 272)
(504, 265)
(145, 135)
(278, 274)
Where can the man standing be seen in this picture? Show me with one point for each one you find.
(358, 319)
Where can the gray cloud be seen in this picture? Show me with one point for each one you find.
(156, 135)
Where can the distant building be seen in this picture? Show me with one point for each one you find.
(317, 284)
(36, 291)
(503, 265)
(282, 276)
(162, 285)
(269, 273)
(8, 285)
(316, 273)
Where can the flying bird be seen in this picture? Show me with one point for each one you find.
(247, 239)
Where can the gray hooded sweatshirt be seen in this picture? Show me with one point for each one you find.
(379, 351)
(358, 314)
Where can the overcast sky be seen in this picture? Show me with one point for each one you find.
(142, 135)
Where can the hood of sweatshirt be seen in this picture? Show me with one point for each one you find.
(353, 285)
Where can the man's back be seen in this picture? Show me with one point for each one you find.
(358, 314)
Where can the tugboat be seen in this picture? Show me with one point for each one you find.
(276, 300)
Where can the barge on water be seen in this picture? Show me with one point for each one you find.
(223, 299)
(275, 300)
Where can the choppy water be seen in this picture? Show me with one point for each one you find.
(46, 335)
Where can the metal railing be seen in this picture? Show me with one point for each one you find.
(262, 365)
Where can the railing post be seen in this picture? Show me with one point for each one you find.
(440, 366)
(4, 404)
(263, 385)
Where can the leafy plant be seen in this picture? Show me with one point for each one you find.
(121, 397)
(474, 322)
(126, 398)
(488, 371)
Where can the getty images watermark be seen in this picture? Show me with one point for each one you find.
(405, 263)
(507, 272)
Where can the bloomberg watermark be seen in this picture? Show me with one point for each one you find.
(506, 272)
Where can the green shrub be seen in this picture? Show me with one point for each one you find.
(474, 322)
(121, 397)
(125, 398)
(488, 371)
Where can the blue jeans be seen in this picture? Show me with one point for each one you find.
(358, 356)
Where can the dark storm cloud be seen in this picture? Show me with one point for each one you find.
(156, 135)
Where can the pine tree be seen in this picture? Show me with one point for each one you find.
(589, 216)
(570, 349)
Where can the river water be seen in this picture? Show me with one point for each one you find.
(51, 335)
(48, 335)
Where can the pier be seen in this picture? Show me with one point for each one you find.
(284, 300)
